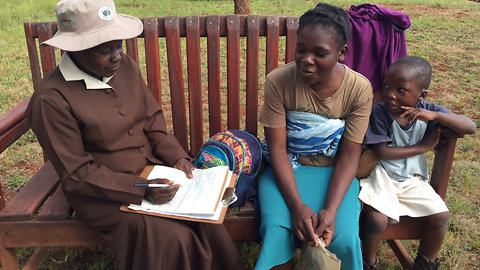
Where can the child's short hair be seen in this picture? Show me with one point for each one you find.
(418, 66)
(330, 16)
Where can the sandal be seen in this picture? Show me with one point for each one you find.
(423, 263)
(373, 266)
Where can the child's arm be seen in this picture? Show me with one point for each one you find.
(460, 124)
(384, 152)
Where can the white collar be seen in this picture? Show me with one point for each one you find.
(71, 72)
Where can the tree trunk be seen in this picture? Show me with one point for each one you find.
(242, 6)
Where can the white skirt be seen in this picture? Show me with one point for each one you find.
(413, 197)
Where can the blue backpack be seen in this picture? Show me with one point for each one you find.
(241, 152)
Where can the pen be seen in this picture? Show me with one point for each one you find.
(150, 185)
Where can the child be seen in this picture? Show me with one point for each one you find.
(313, 107)
(398, 185)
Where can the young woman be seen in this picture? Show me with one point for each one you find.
(99, 125)
(311, 108)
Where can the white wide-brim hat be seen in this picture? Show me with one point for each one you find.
(84, 24)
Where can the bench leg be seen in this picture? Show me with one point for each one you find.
(402, 255)
(36, 258)
(8, 258)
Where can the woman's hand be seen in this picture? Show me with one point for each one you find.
(159, 195)
(304, 220)
(326, 226)
(186, 166)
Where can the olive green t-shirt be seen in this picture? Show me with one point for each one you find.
(352, 102)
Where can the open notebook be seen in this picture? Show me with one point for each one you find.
(204, 198)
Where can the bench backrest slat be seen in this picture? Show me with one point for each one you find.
(150, 29)
(292, 26)
(233, 72)
(194, 83)
(252, 73)
(213, 62)
(47, 53)
(132, 48)
(273, 28)
(175, 75)
(32, 54)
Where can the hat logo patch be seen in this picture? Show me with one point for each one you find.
(66, 20)
(105, 13)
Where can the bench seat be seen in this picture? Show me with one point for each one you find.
(39, 215)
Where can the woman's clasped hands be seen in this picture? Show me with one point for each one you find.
(308, 226)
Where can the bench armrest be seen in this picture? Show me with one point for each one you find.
(443, 161)
(13, 125)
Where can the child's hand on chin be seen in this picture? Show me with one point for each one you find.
(417, 113)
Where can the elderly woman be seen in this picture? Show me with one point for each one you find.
(99, 125)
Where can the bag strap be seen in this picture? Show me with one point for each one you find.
(243, 148)
(259, 147)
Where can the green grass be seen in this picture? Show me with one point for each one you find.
(447, 33)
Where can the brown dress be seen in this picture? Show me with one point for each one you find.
(99, 140)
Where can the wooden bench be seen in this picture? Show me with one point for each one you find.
(201, 53)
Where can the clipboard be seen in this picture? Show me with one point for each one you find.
(227, 198)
